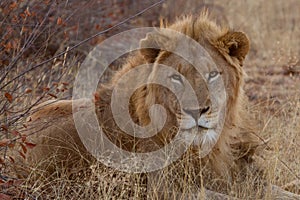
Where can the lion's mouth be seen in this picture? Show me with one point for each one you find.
(195, 126)
(200, 128)
(202, 123)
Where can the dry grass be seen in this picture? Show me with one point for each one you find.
(273, 83)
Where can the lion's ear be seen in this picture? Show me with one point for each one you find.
(235, 45)
(152, 44)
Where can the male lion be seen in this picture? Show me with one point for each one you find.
(58, 143)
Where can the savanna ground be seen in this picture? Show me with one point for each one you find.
(33, 32)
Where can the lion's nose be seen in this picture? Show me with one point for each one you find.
(196, 113)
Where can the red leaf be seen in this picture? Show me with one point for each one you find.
(8, 46)
(11, 159)
(23, 15)
(46, 88)
(13, 5)
(98, 27)
(59, 21)
(8, 97)
(15, 19)
(28, 90)
(27, 12)
(22, 154)
(52, 95)
(30, 145)
(23, 148)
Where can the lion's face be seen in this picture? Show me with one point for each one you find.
(215, 80)
(201, 116)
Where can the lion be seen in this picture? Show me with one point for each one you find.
(228, 49)
(58, 142)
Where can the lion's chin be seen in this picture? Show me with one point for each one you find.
(202, 138)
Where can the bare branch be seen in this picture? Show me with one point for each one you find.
(82, 42)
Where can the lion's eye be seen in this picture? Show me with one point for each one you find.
(211, 76)
(176, 78)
